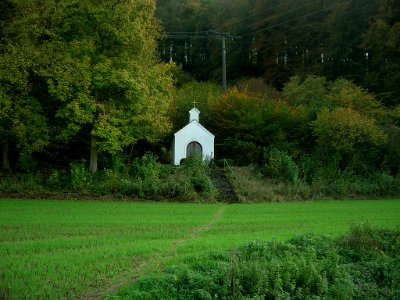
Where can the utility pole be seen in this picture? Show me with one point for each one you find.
(223, 64)
(223, 35)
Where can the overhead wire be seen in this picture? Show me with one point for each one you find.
(193, 34)
(277, 16)
(254, 15)
(291, 20)
(185, 36)
(185, 32)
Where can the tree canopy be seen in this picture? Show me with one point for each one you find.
(81, 69)
(82, 79)
(276, 39)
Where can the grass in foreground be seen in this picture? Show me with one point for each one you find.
(363, 264)
(61, 249)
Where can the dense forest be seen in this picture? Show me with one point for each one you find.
(79, 76)
(88, 87)
(276, 39)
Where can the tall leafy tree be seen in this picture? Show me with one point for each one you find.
(381, 46)
(22, 123)
(95, 70)
(349, 137)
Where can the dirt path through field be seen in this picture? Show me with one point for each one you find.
(155, 261)
(196, 231)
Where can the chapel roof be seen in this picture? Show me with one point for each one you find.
(194, 123)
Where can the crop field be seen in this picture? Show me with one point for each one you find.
(74, 249)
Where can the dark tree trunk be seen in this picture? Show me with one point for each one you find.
(6, 161)
(93, 156)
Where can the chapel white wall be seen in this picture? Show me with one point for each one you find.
(193, 132)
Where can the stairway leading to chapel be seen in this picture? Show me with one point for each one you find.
(226, 192)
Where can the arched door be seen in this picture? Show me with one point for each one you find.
(194, 149)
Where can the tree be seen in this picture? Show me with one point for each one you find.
(199, 94)
(21, 116)
(344, 93)
(381, 45)
(357, 40)
(348, 136)
(95, 70)
(317, 93)
(310, 92)
(241, 120)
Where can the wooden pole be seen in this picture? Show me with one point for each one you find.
(223, 63)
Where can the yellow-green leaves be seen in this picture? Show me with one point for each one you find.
(85, 65)
(344, 93)
(345, 132)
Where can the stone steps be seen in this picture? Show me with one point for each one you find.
(226, 193)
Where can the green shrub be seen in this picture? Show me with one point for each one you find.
(245, 153)
(27, 163)
(198, 173)
(57, 179)
(364, 264)
(9, 185)
(147, 178)
(80, 177)
(146, 172)
(176, 185)
(331, 181)
(118, 163)
(105, 182)
(223, 162)
(21, 183)
(279, 165)
(387, 184)
(364, 243)
(54, 180)
(151, 287)
(188, 182)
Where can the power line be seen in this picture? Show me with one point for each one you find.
(194, 34)
(191, 35)
(277, 16)
(186, 33)
(290, 20)
(186, 36)
(253, 15)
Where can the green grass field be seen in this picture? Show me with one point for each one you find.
(66, 249)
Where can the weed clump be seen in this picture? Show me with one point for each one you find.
(363, 264)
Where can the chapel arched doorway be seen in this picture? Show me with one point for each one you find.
(194, 149)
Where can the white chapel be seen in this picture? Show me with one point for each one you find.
(193, 139)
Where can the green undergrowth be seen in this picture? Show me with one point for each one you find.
(144, 178)
(255, 184)
(278, 179)
(363, 264)
(85, 249)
